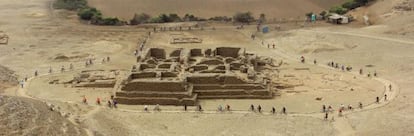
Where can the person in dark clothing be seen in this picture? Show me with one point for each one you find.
(259, 108)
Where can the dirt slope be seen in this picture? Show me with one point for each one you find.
(272, 8)
(22, 116)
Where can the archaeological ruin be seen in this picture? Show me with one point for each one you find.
(183, 76)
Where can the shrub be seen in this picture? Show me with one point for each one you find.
(221, 18)
(323, 14)
(98, 20)
(155, 20)
(243, 17)
(140, 19)
(174, 18)
(190, 17)
(89, 13)
(351, 4)
(338, 10)
(362, 2)
(309, 15)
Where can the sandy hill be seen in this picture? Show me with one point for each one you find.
(209, 8)
(23, 116)
(389, 16)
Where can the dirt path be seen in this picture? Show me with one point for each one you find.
(361, 35)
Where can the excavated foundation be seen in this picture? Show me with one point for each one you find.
(190, 74)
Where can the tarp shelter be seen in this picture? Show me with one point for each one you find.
(338, 19)
(265, 29)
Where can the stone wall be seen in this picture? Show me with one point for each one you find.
(215, 79)
(228, 52)
(227, 87)
(143, 75)
(167, 86)
(157, 53)
(155, 100)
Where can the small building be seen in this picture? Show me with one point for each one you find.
(338, 19)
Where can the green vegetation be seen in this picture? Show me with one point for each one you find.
(85, 12)
(338, 10)
(162, 18)
(243, 17)
(190, 17)
(89, 13)
(106, 21)
(221, 18)
(323, 14)
(349, 5)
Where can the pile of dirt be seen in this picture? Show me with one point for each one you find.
(7, 78)
(23, 116)
(404, 5)
(7, 75)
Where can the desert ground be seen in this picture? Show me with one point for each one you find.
(42, 38)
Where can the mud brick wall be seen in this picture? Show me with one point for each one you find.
(226, 87)
(154, 86)
(199, 67)
(152, 94)
(168, 74)
(232, 92)
(143, 75)
(196, 52)
(212, 62)
(228, 52)
(164, 66)
(97, 84)
(215, 80)
(157, 53)
(154, 101)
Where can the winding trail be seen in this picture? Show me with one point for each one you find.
(361, 35)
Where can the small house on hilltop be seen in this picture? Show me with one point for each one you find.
(338, 19)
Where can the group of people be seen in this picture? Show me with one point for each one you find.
(273, 111)
(338, 66)
(71, 66)
(329, 109)
(90, 61)
(112, 103)
(140, 46)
